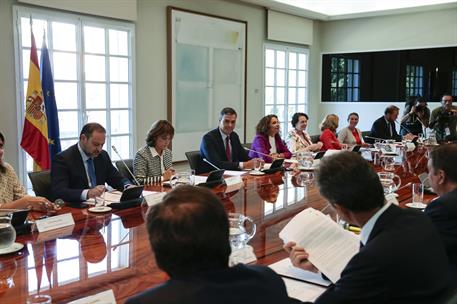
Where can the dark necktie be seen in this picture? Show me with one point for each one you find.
(390, 129)
(227, 148)
(361, 245)
(91, 172)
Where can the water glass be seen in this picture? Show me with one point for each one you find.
(388, 181)
(181, 178)
(7, 231)
(257, 164)
(388, 163)
(306, 160)
(39, 299)
(418, 193)
(305, 178)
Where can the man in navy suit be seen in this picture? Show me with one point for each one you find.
(81, 171)
(442, 174)
(384, 126)
(222, 146)
(189, 234)
(401, 260)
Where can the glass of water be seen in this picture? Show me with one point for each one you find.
(418, 195)
(7, 231)
(257, 164)
(182, 178)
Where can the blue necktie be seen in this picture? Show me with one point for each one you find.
(91, 172)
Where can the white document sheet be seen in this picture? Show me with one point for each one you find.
(105, 297)
(285, 268)
(234, 173)
(200, 179)
(112, 197)
(329, 246)
(154, 198)
(302, 291)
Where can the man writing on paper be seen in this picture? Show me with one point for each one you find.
(189, 234)
(401, 259)
(442, 174)
(222, 146)
(81, 171)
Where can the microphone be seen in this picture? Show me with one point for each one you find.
(125, 165)
(257, 152)
(59, 202)
(212, 165)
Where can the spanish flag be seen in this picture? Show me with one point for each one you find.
(35, 134)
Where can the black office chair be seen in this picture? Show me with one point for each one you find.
(41, 183)
(315, 138)
(366, 133)
(195, 161)
(123, 170)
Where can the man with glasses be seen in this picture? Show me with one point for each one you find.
(444, 120)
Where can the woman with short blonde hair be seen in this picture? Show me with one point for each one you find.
(328, 136)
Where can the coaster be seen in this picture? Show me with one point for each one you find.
(100, 209)
(416, 205)
(13, 248)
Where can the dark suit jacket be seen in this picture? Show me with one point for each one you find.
(212, 148)
(403, 262)
(69, 178)
(381, 130)
(443, 213)
(238, 284)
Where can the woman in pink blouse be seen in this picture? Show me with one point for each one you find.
(328, 136)
(268, 142)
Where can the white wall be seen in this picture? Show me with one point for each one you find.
(418, 30)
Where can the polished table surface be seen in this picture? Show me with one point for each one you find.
(111, 251)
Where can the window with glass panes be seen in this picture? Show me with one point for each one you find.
(91, 61)
(345, 75)
(286, 83)
(414, 80)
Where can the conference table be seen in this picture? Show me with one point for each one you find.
(110, 251)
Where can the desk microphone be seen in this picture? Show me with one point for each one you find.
(125, 165)
(59, 203)
(212, 165)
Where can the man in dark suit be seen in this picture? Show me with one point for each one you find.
(222, 146)
(81, 171)
(189, 234)
(401, 259)
(384, 126)
(442, 174)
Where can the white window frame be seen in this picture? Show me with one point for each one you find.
(285, 120)
(80, 21)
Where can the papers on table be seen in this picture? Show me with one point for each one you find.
(286, 269)
(105, 297)
(200, 179)
(154, 198)
(302, 291)
(234, 173)
(112, 197)
(329, 246)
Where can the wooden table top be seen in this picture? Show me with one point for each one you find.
(111, 251)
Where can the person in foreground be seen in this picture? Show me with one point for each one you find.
(155, 159)
(298, 140)
(401, 259)
(12, 193)
(384, 126)
(189, 234)
(81, 171)
(442, 174)
(267, 144)
(222, 146)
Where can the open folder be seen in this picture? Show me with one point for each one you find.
(329, 246)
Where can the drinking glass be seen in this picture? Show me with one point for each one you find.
(257, 164)
(305, 178)
(181, 178)
(388, 181)
(418, 194)
(388, 163)
(7, 231)
(306, 160)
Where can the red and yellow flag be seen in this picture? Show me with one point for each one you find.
(35, 134)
